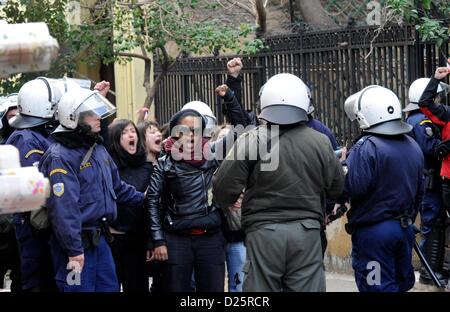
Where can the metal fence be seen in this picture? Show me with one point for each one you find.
(334, 63)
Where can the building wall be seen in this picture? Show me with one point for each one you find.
(130, 92)
(338, 255)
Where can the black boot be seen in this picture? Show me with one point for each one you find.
(433, 251)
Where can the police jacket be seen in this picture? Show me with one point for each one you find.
(384, 179)
(82, 194)
(292, 185)
(320, 127)
(426, 134)
(440, 115)
(31, 143)
(179, 198)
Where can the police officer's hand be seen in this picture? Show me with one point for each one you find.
(234, 67)
(441, 73)
(160, 253)
(77, 263)
(103, 87)
(221, 90)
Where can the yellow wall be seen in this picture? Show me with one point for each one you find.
(129, 78)
(130, 92)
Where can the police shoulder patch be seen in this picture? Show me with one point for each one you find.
(57, 170)
(33, 151)
(58, 189)
(425, 121)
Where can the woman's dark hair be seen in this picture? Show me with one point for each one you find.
(165, 131)
(115, 133)
(142, 129)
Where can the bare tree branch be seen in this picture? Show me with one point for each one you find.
(135, 55)
(243, 6)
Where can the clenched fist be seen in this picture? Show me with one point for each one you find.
(221, 90)
(103, 87)
(234, 67)
(442, 72)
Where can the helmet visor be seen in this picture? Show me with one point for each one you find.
(96, 105)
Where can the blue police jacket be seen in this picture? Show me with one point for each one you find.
(384, 179)
(31, 144)
(82, 195)
(426, 135)
(318, 126)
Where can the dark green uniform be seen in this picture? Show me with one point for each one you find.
(282, 210)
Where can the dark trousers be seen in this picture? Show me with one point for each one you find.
(98, 274)
(35, 259)
(129, 253)
(203, 254)
(446, 202)
(10, 260)
(382, 257)
(446, 194)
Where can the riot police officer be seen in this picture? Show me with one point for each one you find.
(283, 204)
(384, 183)
(8, 109)
(428, 136)
(440, 115)
(9, 251)
(37, 100)
(85, 187)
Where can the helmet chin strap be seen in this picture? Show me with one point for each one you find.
(86, 130)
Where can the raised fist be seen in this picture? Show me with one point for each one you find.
(142, 113)
(103, 87)
(234, 67)
(221, 90)
(441, 72)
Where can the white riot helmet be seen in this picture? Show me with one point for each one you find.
(79, 102)
(284, 100)
(416, 90)
(377, 110)
(6, 103)
(37, 102)
(203, 109)
(311, 106)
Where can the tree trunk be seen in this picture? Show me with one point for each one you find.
(151, 89)
(314, 13)
(261, 17)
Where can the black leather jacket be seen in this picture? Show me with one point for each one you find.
(179, 198)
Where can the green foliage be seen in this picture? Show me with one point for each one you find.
(149, 24)
(429, 16)
(50, 12)
(161, 21)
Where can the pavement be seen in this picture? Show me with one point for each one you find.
(337, 282)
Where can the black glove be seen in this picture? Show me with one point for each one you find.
(442, 149)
